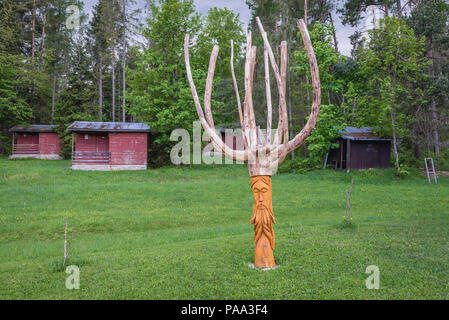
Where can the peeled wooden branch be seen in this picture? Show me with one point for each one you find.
(236, 88)
(233, 154)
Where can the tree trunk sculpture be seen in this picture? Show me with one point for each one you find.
(262, 153)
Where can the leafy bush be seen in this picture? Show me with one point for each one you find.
(300, 164)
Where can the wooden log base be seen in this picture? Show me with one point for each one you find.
(263, 255)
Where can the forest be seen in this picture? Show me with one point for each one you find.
(126, 63)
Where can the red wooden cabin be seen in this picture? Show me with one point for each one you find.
(35, 141)
(109, 145)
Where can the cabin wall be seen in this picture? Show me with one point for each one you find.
(370, 154)
(27, 138)
(49, 143)
(128, 148)
(91, 142)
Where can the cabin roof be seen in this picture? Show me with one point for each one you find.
(88, 126)
(363, 133)
(34, 128)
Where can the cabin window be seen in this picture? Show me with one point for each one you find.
(86, 137)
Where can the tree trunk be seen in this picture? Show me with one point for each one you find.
(124, 64)
(53, 94)
(333, 32)
(290, 114)
(113, 83)
(43, 32)
(305, 12)
(100, 88)
(436, 137)
(33, 28)
(395, 146)
(289, 95)
(398, 4)
(433, 108)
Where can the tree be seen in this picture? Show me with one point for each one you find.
(105, 30)
(158, 89)
(352, 9)
(77, 101)
(58, 40)
(392, 72)
(131, 26)
(219, 27)
(431, 19)
(331, 119)
(13, 82)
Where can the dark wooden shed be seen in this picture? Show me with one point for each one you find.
(35, 141)
(359, 148)
(109, 145)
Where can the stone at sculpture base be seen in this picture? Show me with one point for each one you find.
(253, 266)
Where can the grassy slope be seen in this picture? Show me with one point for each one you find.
(184, 233)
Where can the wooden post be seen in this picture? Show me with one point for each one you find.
(341, 154)
(12, 146)
(305, 12)
(72, 145)
(348, 155)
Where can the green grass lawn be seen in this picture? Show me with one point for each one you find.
(184, 233)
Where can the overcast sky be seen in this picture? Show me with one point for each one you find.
(239, 6)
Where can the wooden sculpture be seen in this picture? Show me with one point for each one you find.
(262, 153)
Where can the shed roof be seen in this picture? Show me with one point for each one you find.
(88, 126)
(363, 133)
(34, 128)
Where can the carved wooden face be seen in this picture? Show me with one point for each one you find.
(261, 191)
(262, 210)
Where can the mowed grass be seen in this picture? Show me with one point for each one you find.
(184, 233)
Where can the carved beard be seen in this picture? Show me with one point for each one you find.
(262, 219)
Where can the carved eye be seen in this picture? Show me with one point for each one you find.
(264, 190)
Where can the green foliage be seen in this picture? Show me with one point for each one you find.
(442, 160)
(331, 118)
(324, 137)
(159, 93)
(391, 80)
(77, 102)
(326, 56)
(13, 107)
(299, 164)
(352, 9)
(220, 26)
(391, 68)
